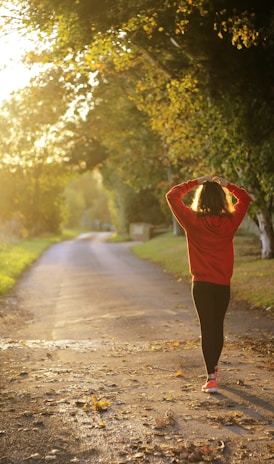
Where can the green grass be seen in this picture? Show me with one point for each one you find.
(16, 257)
(253, 277)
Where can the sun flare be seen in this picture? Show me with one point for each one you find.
(13, 73)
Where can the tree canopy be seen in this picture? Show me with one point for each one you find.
(149, 90)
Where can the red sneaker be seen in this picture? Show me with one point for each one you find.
(210, 386)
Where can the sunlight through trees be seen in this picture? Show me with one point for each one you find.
(147, 92)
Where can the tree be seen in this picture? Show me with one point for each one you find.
(191, 66)
(32, 175)
(135, 164)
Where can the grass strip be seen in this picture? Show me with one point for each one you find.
(16, 257)
(253, 277)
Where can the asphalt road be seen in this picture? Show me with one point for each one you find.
(90, 321)
(89, 288)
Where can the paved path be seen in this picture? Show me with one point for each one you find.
(89, 288)
(98, 324)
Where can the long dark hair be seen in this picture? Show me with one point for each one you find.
(211, 199)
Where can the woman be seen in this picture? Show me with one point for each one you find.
(210, 225)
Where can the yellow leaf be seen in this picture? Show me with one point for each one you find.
(156, 347)
(86, 407)
(101, 425)
(100, 405)
(179, 373)
(175, 344)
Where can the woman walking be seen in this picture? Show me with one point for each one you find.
(210, 225)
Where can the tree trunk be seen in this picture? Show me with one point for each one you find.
(266, 235)
(177, 229)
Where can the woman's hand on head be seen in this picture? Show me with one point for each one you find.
(220, 181)
(203, 179)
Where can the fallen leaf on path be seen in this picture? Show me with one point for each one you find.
(239, 419)
(179, 373)
(156, 347)
(27, 414)
(100, 405)
(54, 451)
(101, 425)
(166, 421)
(175, 345)
(241, 383)
(137, 456)
(170, 399)
(32, 456)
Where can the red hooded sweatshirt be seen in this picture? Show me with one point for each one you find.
(209, 238)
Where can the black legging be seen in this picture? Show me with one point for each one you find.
(211, 302)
